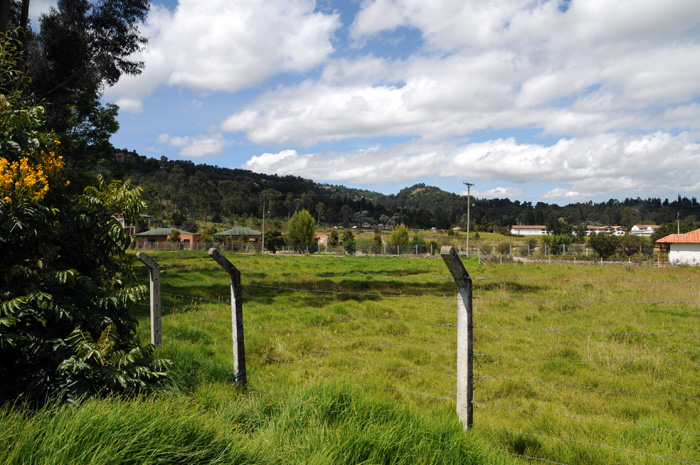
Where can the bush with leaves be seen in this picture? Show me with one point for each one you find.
(62, 269)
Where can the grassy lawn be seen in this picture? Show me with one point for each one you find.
(352, 360)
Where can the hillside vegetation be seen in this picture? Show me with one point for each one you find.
(179, 190)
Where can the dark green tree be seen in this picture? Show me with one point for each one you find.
(82, 47)
(604, 244)
(349, 242)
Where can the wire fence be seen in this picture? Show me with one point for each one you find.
(532, 386)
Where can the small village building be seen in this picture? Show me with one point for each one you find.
(133, 229)
(321, 239)
(614, 230)
(529, 230)
(681, 249)
(162, 235)
(644, 229)
(237, 233)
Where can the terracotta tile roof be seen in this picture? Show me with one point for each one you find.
(693, 237)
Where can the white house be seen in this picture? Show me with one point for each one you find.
(644, 229)
(529, 230)
(614, 230)
(683, 249)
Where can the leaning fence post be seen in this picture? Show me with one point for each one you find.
(465, 346)
(239, 373)
(155, 297)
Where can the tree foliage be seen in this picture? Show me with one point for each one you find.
(399, 236)
(81, 47)
(300, 230)
(604, 244)
(65, 323)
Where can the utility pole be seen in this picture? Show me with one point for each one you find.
(678, 221)
(469, 203)
(263, 231)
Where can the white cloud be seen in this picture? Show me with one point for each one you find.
(218, 45)
(130, 105)
(198, 146)
(497, 192)
(582, 167)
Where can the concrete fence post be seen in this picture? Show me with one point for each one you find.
(239, 372)
(154, 269)
(465, 345)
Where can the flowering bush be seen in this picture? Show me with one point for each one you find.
(62, 269)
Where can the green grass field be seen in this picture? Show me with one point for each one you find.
(352, 360)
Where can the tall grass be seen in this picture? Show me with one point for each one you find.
(583, 354)
(319, 424)
(351, 360)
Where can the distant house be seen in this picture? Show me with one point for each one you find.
(133, 229)
(682, 249)
(457, 228)
(528, 230)
(614, 230)
(321, 239)
(644, 229)
(161, 235)
(236, 234)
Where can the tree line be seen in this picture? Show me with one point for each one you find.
(179, 190)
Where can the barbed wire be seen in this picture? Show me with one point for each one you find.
(332, 274)
(351, 339)
(590, 388)
(593, 301)
(415, 393)
(395, 320)
(587, 361)
(360, 294)
(576, 331)
(349, 381)
(586, 281)
(388, 367)
(573, 441)
(576, 417)
(218, 300)
(522, 456)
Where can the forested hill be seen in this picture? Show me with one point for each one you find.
(179, 189)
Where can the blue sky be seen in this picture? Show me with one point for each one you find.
(556, 101)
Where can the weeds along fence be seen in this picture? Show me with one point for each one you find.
(553, 368)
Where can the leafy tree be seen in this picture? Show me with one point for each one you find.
(300, 230)
(349, 242)
(377, 240)
(65, 323)
(417, 243)
(178, 218)
(190, 226)
(399, 236)
(346, 214)
(604, 244)
(274, 240)
(82, 47)
(333, 239)
(174, 235)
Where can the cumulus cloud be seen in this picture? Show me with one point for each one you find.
(198, 146)
(587, 166)
(219, 45)
(497, 192)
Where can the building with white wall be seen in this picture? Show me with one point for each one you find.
(529, 230)
(681, 249)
